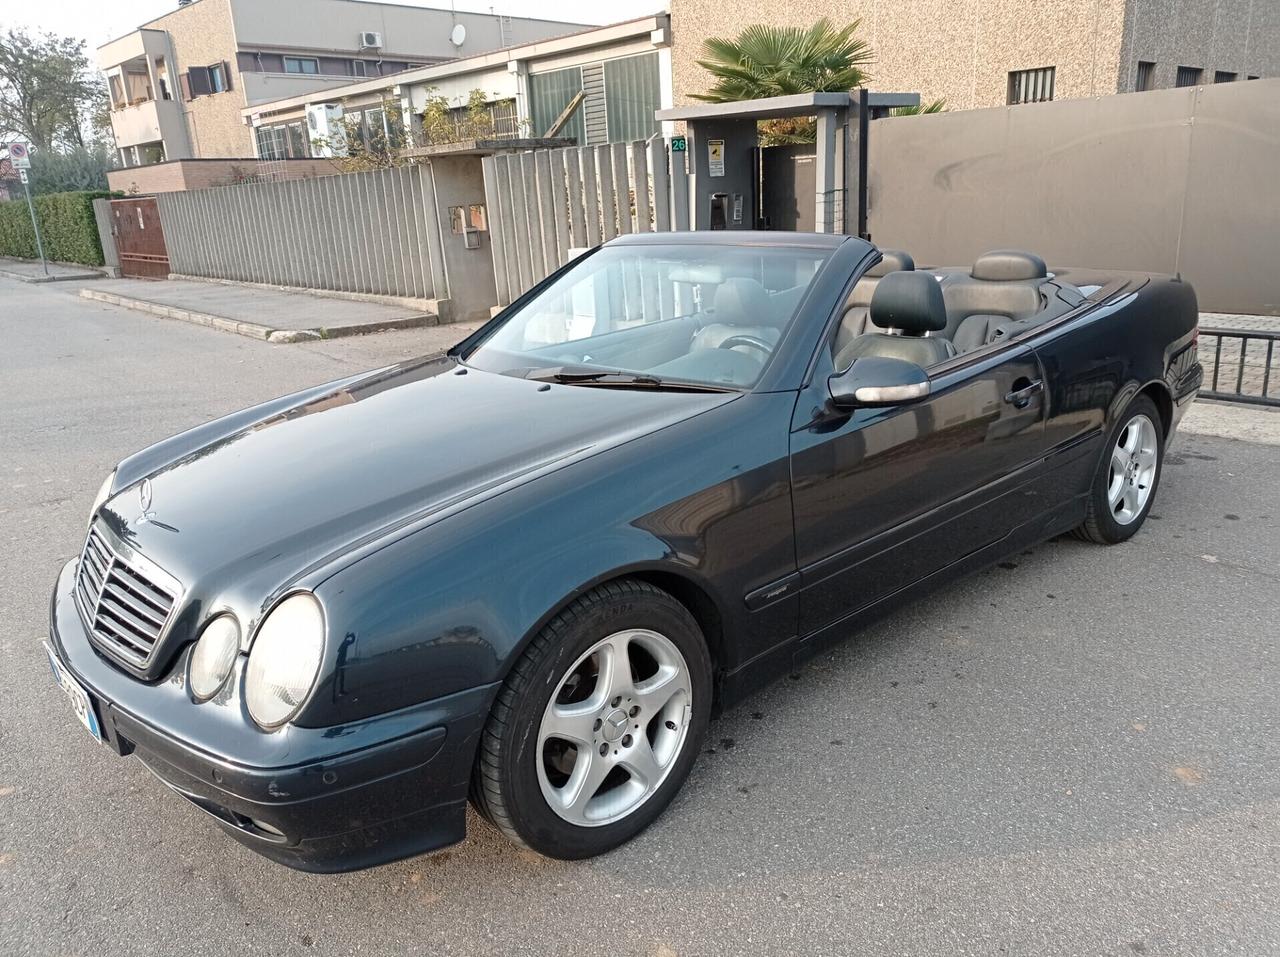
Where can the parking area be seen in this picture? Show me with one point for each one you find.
(1075, 752)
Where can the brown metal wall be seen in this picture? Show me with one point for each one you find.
(1184, 180)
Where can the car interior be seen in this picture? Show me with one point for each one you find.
(927, 316)
(734, 322)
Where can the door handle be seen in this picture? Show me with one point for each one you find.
(1020, 397)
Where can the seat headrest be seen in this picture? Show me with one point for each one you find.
(910, 301)
(895, 260)
(1006, 265)
(741, 301)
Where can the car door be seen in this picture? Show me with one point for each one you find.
(887, 496)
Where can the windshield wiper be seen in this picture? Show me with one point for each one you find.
(569, 375)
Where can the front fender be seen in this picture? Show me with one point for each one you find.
(450, 606)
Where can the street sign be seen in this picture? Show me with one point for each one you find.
(20, 155)
(22, 175)
(678, 144)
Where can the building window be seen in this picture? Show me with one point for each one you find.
(217, 79)
(301, 64)
(1251, 77)
(1031, 86)
(286, 141)
(1188, 76)
(1224, 76)
(359, 68)
(1146, 76)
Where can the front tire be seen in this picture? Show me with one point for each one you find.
(1127, 477)
(598, 724)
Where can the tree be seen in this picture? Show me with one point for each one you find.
(934, 106)
(50, 95)
(776, 61)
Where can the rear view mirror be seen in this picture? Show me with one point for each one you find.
(878, 381)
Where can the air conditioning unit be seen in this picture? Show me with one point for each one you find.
(369, 40)
(325, 129)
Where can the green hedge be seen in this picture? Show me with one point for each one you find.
(66, 226)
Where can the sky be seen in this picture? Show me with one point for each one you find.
(98, 21)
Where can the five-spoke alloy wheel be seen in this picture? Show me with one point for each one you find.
(598, 724)
(1128, 475)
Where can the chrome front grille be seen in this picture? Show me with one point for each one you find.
(125, 599)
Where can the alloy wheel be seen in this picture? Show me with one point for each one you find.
(614, 727)
(1132, 470)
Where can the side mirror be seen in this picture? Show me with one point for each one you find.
(878, 381)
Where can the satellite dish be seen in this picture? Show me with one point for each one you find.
(459, 35)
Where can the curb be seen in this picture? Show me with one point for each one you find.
(39, 280)
(253, 330)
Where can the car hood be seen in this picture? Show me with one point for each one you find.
(266, 498)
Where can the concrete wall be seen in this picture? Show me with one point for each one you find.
(1235, 36)
(963, 52)
(960, 52)
(205, 174)
(1166, 181)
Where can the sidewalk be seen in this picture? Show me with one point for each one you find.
(270, 314)
(29, 270)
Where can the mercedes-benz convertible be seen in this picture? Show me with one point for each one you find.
(528, 571)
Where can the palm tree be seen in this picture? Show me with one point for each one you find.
(775, 61)
(934, 106)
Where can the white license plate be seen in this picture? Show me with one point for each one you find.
(80, 701)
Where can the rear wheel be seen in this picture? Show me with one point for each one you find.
(1125, 485)
(598, 724)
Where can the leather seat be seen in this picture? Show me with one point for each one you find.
(1003, 282)
(910, 304)
(853, 320)
(742, 307)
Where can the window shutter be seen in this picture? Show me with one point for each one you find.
(226, 75)
(185, 80)
(198, 79)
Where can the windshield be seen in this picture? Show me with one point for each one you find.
(656, 316)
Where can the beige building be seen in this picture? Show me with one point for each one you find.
(178, 84)
(980, 53)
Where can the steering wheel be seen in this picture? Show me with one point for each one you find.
(752, 342)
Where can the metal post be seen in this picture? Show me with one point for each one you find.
(864, 127)
(826, 170)
(35, 225)
(679, 191)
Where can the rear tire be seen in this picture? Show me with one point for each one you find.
(598, 724)
(1128, 475)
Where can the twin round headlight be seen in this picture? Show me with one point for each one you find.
(283, 662)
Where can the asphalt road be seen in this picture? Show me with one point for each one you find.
(1077, 752)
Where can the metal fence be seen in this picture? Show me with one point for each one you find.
(1242, 370)
(544, 203)
(375, 232)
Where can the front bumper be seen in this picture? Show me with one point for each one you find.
(316, 799)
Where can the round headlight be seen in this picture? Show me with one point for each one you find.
(214, 656)
(284, 660)
(103, 494)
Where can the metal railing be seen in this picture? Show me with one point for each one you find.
(1247, 368)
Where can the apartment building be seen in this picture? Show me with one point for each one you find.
(994, 52)
(618, 75)
(179, 83)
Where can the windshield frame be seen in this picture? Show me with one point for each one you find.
(783, 370)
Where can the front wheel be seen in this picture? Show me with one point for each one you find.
(598, 724)
(1127, 477)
